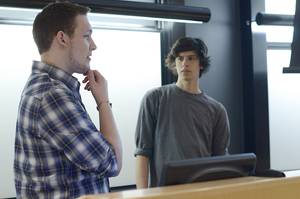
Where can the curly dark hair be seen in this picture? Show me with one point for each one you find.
(188, 44)
(55, 17)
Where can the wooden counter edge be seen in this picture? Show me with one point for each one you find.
(246, 188)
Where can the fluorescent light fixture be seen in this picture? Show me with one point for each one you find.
(145, 18)
(20, 9)
(165, 12)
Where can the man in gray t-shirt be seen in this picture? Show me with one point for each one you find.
(179, 121)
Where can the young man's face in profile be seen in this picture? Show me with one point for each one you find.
(81, 46)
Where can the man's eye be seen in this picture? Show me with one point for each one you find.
(87, 36)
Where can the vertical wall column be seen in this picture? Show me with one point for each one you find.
(255, 85)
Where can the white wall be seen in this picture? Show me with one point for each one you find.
(130, 61)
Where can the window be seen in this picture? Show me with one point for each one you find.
(284, 95)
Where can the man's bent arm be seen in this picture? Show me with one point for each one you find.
(109, 131)
(97, 84)
(141, 171)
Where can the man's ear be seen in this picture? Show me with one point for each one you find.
(62, 38)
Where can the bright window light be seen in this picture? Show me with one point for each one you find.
(284, 94)
(284, 112)
(280, 7)
(279, 33)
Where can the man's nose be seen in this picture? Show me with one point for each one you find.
(185, 61)
(93, 45)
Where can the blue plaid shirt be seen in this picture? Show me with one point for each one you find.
(59, 153)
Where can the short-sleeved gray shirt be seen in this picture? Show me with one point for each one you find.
(174, 124)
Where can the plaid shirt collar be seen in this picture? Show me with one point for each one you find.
(56, 73)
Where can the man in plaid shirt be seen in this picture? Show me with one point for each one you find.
(59, 153)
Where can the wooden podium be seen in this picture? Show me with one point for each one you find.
(237, 188)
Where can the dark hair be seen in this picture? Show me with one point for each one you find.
(55, 17)
(188, 44)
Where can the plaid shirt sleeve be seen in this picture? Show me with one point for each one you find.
(66, 126)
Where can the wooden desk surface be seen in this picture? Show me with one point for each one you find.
(238, 188)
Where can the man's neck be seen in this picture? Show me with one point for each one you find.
(188, 86)
(54, 60)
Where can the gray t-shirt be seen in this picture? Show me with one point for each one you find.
(174, 124)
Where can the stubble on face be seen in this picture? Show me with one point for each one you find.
(75, 64)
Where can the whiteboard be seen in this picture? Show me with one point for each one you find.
(129, 60)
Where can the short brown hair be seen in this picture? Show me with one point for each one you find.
(55, 17)
(188, 44)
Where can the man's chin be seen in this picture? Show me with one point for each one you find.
(85, 70)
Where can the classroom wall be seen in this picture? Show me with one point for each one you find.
(224, 80)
